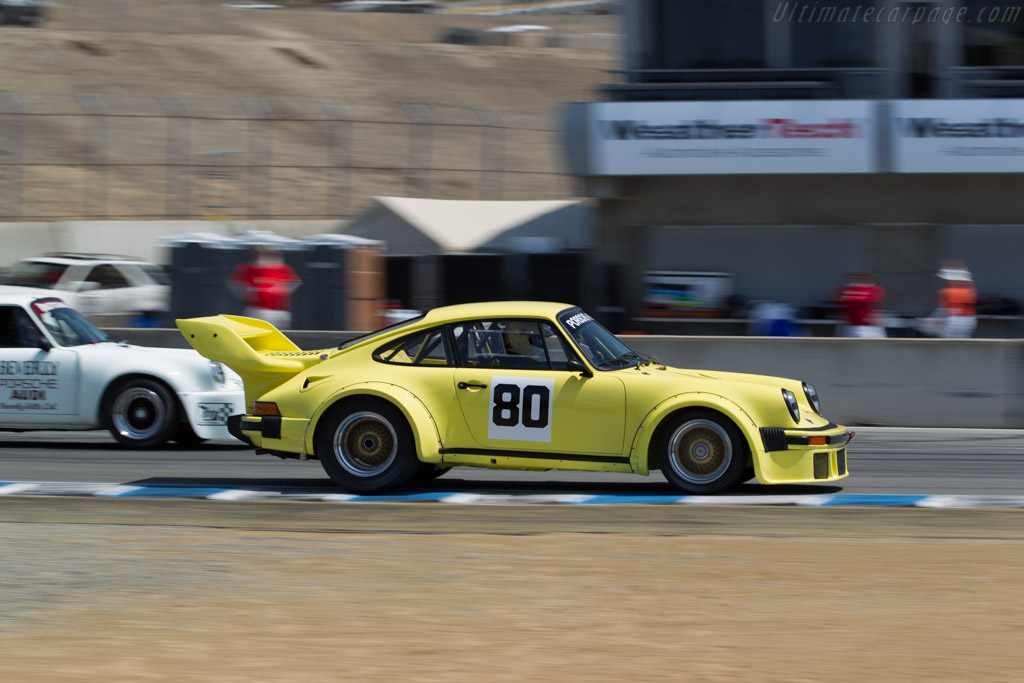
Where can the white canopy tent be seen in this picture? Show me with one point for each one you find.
(447, 226)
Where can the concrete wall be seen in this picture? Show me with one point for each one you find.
(894, 382)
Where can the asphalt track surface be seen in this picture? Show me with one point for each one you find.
(882, 461)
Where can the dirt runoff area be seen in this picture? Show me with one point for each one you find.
(316, 592)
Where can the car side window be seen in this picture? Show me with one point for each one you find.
(509, 344)
(17, 329)
(107, 277)
(427, 348)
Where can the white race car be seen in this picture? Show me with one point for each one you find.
(58, 371)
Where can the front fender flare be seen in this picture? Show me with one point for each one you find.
(674, 404)
(424, 428)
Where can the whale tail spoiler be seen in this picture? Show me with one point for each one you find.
(260, 353)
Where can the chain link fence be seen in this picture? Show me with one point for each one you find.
(87, 156)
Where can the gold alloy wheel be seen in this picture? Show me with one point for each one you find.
(365, 444)
(700, 451)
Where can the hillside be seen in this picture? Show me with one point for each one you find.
(213, 57)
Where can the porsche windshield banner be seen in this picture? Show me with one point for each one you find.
(681, 138)
(958, 136)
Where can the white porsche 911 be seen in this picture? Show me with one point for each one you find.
(58, 371)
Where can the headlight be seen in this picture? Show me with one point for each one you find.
(217, 372)
(812, 397)
(791, 403)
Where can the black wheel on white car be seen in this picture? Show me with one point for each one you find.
(141, 413)
(367, 446)
(702, 452)
(186, 437)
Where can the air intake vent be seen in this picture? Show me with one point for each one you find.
(841, 461)
(821, 465)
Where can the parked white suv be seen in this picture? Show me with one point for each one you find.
(98, 284)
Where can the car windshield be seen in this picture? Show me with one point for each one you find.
(36, 274)
(66, 324)
(601, 347)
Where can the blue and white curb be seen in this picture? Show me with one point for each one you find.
(28, 488)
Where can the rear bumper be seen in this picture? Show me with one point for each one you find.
(274, 433)
(797, 456)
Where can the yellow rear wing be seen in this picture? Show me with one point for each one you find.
(260, 353)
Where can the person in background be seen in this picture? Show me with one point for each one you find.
(265, 285)
(955, 317)
(860, 303)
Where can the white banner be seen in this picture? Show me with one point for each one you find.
(958, 136)
(764, 137)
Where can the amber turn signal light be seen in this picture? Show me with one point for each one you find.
(265, 408)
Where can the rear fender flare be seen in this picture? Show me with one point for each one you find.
(649, 430)
(424, 428)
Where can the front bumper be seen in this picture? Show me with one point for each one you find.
(272, 433)
(208, 411)
(796, 456)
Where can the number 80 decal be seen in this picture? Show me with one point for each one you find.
(520, 408)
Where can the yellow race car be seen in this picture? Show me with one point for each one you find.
(514, 385)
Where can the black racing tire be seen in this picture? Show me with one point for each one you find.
(428, 471)
(141, 413)
(186, 437)
(366, 446)
(702, 452)
(749, 474)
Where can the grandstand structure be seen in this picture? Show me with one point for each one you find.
(787, 142)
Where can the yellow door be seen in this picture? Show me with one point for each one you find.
(547, 411)
(517, 394)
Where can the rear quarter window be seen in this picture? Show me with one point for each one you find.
(427, 348)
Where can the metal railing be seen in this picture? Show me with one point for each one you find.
(87, 156)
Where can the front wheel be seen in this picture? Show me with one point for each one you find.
(186, 437)
(702, 452)
(366, 446)
(141, 413)
(426, 471)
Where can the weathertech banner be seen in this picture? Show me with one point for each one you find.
(764, 137)
(958, 136)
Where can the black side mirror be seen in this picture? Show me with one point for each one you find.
(44, 344)
(576, 365)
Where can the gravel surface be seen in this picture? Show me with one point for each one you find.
(184, 590)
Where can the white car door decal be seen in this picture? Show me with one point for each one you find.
(521, 408)
(33, 386)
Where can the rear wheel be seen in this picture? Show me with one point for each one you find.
(141, 413)
(366, 446)
(702, 452)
